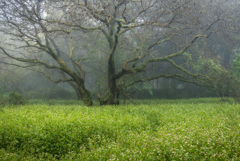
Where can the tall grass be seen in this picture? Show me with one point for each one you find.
(194, 129)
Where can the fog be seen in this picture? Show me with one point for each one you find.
(114, 50)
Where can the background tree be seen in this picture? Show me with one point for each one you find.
(31, 40)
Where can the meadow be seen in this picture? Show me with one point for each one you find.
(187, 129)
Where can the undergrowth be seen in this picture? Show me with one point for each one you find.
(195, 129)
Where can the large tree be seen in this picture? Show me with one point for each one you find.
(146, 32)
(142, 30)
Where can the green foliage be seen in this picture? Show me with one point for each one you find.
(228, 85)
(227, 81)
(51, 102)
(205, 63)
(17, 99)
(187, 56)
(3, 101)
(224, 81)
(195, 129)
(236, 62)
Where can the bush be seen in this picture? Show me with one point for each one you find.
(17, 99)
(227, 84)
(196, 129)
(3, 101)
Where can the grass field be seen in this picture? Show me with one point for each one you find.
(193, 129)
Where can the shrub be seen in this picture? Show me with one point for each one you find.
(3, 101)
(227, 84)
(196, 129)
(17, 99)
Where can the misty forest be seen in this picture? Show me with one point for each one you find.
(119, 80)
